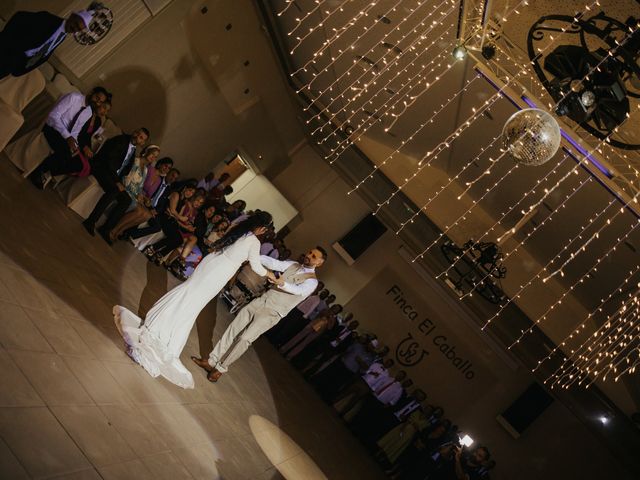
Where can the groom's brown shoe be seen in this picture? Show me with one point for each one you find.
(214, 375)
(202, 363)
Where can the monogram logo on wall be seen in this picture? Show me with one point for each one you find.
(409, 352)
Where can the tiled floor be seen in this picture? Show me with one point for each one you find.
(72, 404)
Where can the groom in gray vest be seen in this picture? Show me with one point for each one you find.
(296, 282)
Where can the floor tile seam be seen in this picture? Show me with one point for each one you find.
(6, 442)
(59, 475)
(45, 336)
(86, 455)
(25, 376)
(47, 404)
(105, 372)
(150, 424)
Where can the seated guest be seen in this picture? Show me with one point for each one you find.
(356, 360)
(30, 38)
(376, 404)
(325, 302)
(311, 332)
(176, 233)
(285, 254)
(156, 172)
(209, 182)
(337, 343)
(109, 167)
(167, 221)
(132, 195)
(456, 463)
(220, 227)
(61, 130)
(218, 197)
(91, 129)
(386, 393)
(378, 374)
(236, 209)
(271, 245)
(151, 200)
(203, 225)
(393, 444)
(416, 459)
(391, 418)
(315, 352)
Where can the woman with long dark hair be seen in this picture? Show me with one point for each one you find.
(156, 342)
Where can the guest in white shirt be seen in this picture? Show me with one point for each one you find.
(374, 378)
(209, 182)
(61, 129)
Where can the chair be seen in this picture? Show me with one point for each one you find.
(80, 194)
(143, 242)
(28, 151)
(15, 94)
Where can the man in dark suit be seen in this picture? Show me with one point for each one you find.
(30, 38)
(109, 166)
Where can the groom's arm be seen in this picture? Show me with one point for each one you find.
(304, 289)
(275, 265)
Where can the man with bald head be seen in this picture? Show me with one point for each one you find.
(30, 38)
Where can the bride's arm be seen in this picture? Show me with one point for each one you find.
(254, 258)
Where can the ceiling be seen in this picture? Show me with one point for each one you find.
(390, 81)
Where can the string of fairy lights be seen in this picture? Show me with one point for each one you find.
(379, 89)
(413, 81)
(399, 93)
(588, 319)
(374, 69)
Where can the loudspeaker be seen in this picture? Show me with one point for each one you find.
(361, 237)
(525, 410)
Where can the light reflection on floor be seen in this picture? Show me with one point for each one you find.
(290, 460)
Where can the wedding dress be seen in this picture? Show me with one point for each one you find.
(156, 342)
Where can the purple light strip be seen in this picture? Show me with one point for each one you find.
(574, 144)
(564, 134)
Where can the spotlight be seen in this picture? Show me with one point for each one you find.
(588, 98)
(604, 419)
(459, 52)
(348, 129)
(489, 51)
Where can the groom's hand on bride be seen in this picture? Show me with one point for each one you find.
(273, 279)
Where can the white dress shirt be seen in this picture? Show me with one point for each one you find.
(62, 115)
(35, 54)
(377, 376)
(308, 305)
(268, 249)
(390, 393)
(304, 289)
(131, 150)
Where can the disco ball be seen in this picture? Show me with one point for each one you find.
(532, 136)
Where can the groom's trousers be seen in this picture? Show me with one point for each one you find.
(251, 322)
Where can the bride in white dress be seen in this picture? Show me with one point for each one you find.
(156, 342)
